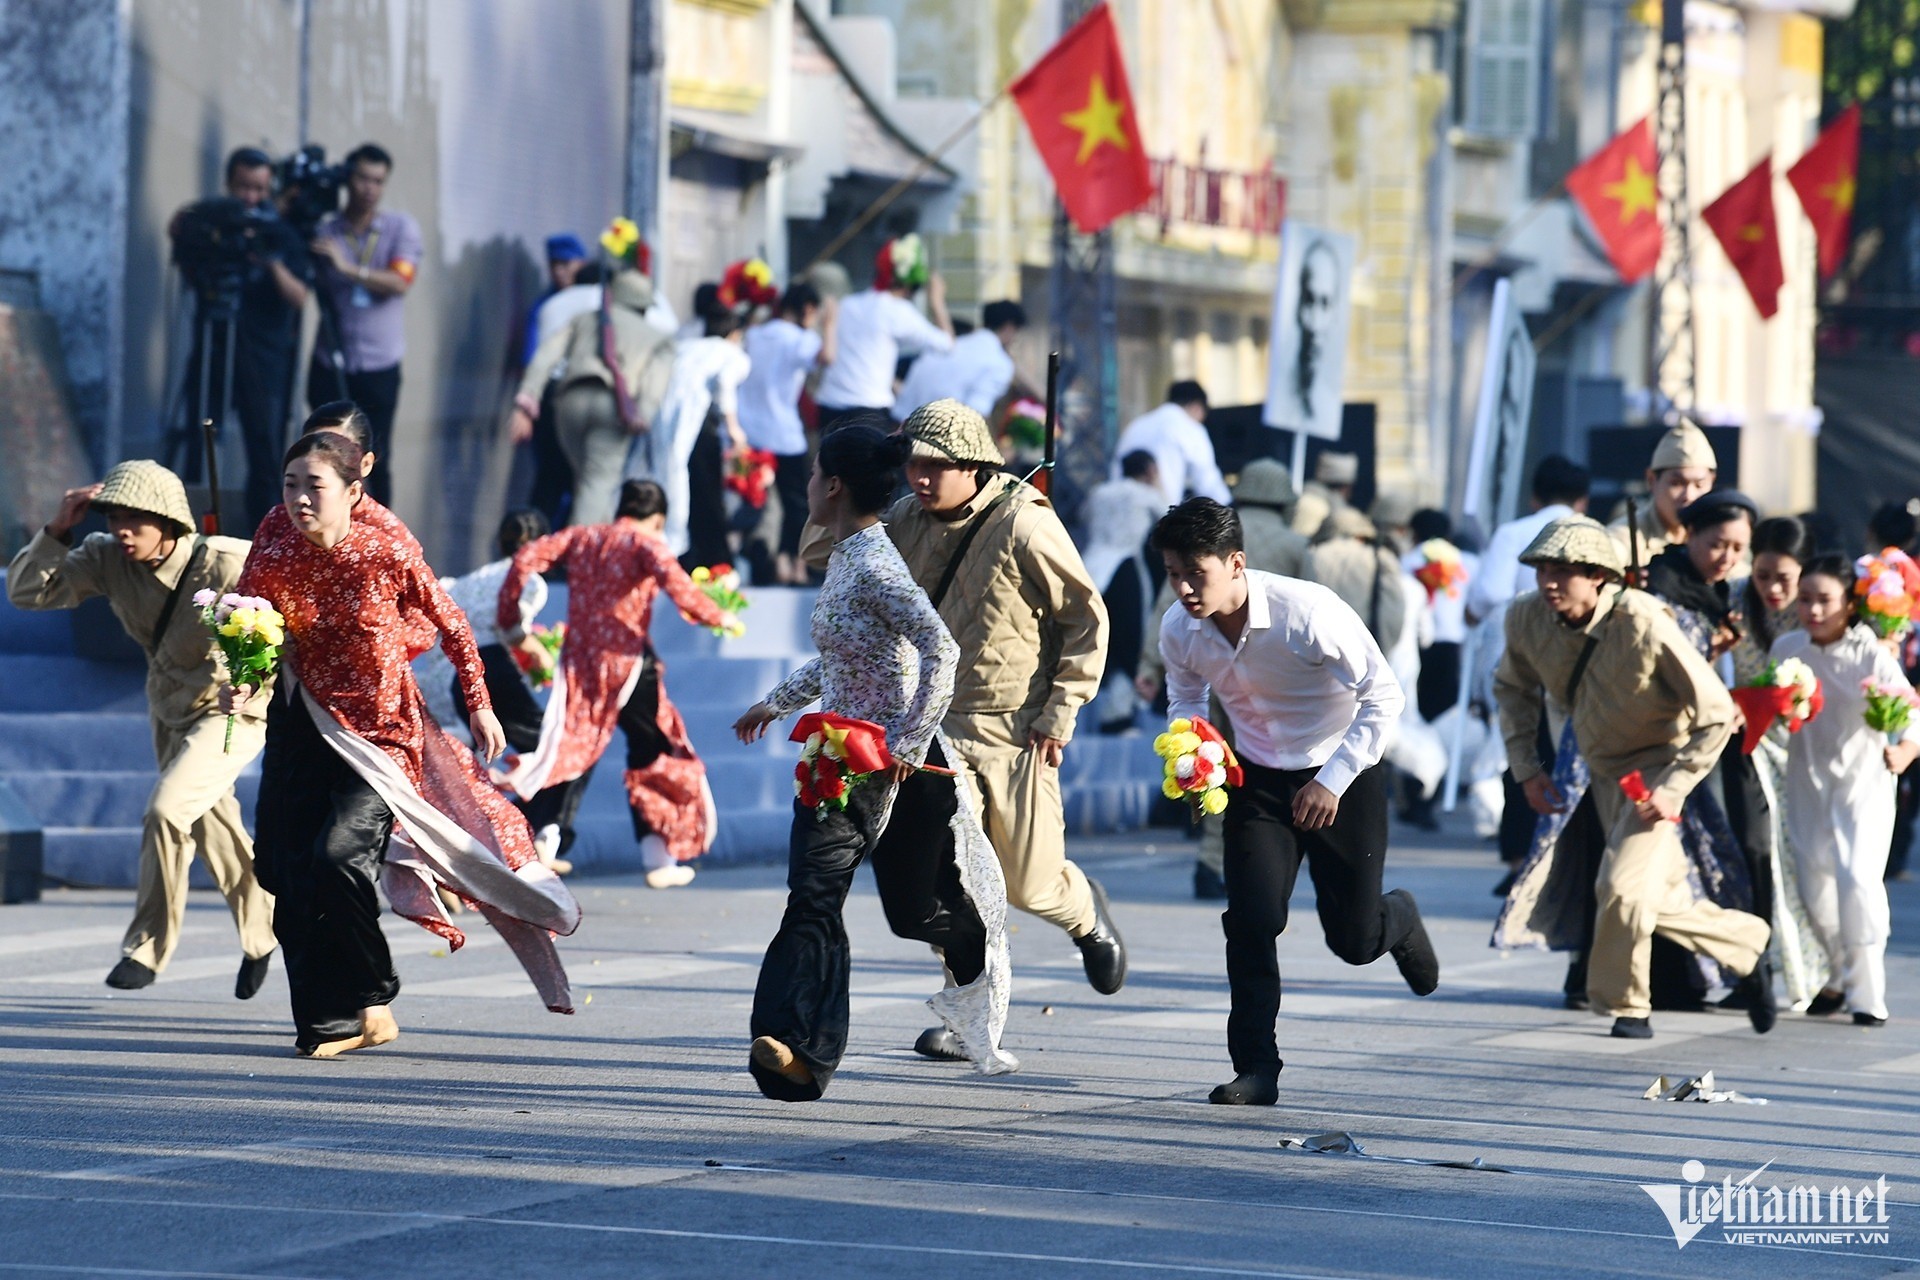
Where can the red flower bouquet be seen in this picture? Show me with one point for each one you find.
(1441, 571)
(837, 755)
(1787, 690)
(750, 475)
(747, 284)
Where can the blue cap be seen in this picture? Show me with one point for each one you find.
(565, 247)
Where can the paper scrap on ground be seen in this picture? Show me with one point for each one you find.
(1695, 1089)
(1343, 1144)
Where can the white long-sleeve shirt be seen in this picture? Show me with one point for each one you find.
(977, 372)
(1305, 688)
(871, 332)
(1501, 576)
(1181, 449)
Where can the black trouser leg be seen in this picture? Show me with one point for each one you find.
(919, 877)
(706, 503)
(801, 997)
(552, 473)
(1750, 817)
(322, 836)
(513, 701)
(640, 724)
(791, 472)
(557, 806)
(1263, 854)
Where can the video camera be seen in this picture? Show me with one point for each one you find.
(216, 241)
(307, 188)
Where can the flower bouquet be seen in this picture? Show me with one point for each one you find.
(1889, 708)
(1786, 690)
(902, 264)
(1886, 590)
(721, 583)
(1441, 570)
(1026, 426)
(540, 673)
(750, 475)
(623, 244)
(747, 284)
(249, 632)
(837, 754)
(1200, 766)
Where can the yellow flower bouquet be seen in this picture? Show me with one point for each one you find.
(249, 632)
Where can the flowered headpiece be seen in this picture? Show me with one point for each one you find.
(623, 244)
(901, 264)
(746, 284)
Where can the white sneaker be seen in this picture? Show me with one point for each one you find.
(672, 877)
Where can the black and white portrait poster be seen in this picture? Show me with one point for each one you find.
(1494, 469)
(1311, 306)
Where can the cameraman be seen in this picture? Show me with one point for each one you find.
(266, 333)
(371, 257)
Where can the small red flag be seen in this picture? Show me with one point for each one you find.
(1742, 219)
(1079, 108)
(1824, 178)
(1618, 189)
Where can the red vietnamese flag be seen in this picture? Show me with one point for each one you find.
(1618, 190)
(1742, 219)
(1824, 180)
(1080, 111)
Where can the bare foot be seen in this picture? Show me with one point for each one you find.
(772, 1055)
(378, 1027)
(672, 876)
(334, 1048)
(449, 901)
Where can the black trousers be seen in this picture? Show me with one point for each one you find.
(791, 471)
(552, 473)
(513, 701)
(377, 392)
(801, 998)
(321, 837)
(1263, 854)
(1438, 687)
(559, 804)
(706, 501)
(1517, 818)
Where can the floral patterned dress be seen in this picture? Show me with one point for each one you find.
(886, 657)
(615, 572)
(345, 608)
(277, 526)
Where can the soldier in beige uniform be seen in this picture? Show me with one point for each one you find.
(1644, 701)
(1683, 468)
(1032, 633)
(149, 567)
(1334, 475)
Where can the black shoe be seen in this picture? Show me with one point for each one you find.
(1251, 1089)
(1207, 884)
(1102, 952)
(1418, 964)
(130, 975)
(1825, 1003)
(1575, 987)
(1633, 1028)
(1505, 886)
(1868, 1020)
(253, 972)
(1763, 1009)
(1576, 1000)
(940, 1043)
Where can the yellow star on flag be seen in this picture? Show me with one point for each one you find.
(1840, 193)
(1099, 121)
(835, 747)
(1752, 233)
(1634, 191)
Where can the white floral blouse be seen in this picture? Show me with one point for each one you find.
(885, 656)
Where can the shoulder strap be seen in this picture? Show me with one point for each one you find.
(939, 592)
(179, 589)
(1580, 663)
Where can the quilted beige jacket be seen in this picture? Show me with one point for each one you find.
(1031, 627)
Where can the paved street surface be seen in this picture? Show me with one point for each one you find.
(171, 1133)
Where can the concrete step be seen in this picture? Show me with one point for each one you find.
(44, 682)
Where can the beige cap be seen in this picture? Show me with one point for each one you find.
(1392, 510)
(948, 431)
(1265, 482)
(1575, 540)
(830, 278)
(1348, 522)
(144, 485)
(1684, 446)
(632, 289)
(1337, 468)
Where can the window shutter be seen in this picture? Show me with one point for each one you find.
(1503, 65)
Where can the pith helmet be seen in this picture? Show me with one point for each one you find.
(948, 431)
(1264, 482)
(1575, 540)
(144, 485)
(1684, 446)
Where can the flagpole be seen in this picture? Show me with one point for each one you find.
(899, 188)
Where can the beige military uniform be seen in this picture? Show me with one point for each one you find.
(1646, 701)
(193, 807)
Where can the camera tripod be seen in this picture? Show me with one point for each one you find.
(192, 447)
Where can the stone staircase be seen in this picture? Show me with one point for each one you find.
(76, 750)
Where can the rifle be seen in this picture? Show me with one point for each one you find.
(1633, 542)
(1041, 477)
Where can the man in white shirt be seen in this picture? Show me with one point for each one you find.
(1181, 448)
(1311, 701)
(784, 351)
(1559, 489)
(977, 372)
(879, 325)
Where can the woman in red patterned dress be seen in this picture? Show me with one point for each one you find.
(608, 675)
(350, 749)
